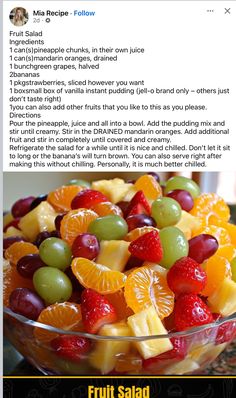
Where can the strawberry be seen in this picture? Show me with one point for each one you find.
(71, 347)
(96, 311)
(178, 352)
(225, 332)
(88, 198)
(191, 311)
(186, 276)
(138, 202)
(137, 209)
(147, 247)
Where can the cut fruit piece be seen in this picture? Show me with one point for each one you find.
(188, 224)
(145, 287)
(114, 189)
(106, 209)
(156, 267)
(76, 222)
(13, 280)
(217, 269)
(191, 311)
(230, 228)
(18, 250)
(147, 323)
(97, 277)
(40, 219)
(118, 301)
(62, 197)
(137, 232)
(182, 367)
(128, 363)
(106, 352)
(66, 316)
(210, 204)
(96, 311)
(223, 300)
(150, 187)
(12, 231)
(114, 254)
(147, 247)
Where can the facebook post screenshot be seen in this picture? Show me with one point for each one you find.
(119, 198)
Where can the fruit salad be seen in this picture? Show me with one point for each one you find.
(120, 277)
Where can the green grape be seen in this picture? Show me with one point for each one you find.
(179, 182)
(55, 253)
(109, 228)
(166, 212)
(52, 285)
(233, 269)
(81, 183)
(174, 245)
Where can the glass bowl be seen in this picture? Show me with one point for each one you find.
(119, 355)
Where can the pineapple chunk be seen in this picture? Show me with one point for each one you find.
(12, 231)
(187, 365)
(114, 189)
(7, 218)
(206, 352)
(114, 254)
(223, 300)
(37, 220)
(188, 224)
(106, 352)
(148, 323)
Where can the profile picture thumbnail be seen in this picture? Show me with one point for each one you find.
(19, 16)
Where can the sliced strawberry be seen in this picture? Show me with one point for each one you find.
(225, 332)
(138, 199)
(186, 276)
(96, 311)
(137, 209)
(87, 199)
(191, 311)
(178, 352)
(71, 347)
(147, 247)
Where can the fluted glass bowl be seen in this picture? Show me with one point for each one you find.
(119, 355)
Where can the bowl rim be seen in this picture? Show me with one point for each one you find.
(185, 333)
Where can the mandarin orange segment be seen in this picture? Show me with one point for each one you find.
(106, 209)
(18, 250)
(227, 251)
(137, 232)
(118, 301)
(13, 280)
(150, 187)
(210, 204)
(230, 228)
(76, 222)
(96, 276)
(62, 197)
(66, 316)
(217, 268)
(145, 287)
